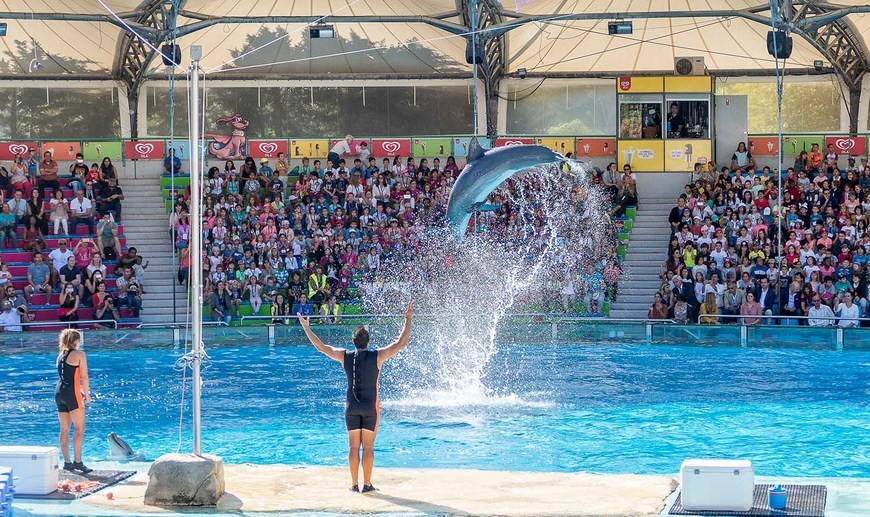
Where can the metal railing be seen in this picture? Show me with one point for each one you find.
(779, 317)
(181, 325)
(112, 323)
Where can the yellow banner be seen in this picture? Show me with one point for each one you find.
(560, 145)
(681, 155)
(688, 84)
(309, 148)
(627, 84)
(642, 155)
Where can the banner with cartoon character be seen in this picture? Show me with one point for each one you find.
(229, 146)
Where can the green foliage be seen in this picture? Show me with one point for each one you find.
(807, 107)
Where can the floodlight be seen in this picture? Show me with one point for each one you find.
(620, 28)
(321, 32)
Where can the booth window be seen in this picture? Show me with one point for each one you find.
(640, 116)
(688, 116)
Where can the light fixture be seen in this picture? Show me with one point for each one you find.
(620, 27)
(2, 29)
(522, 73)
(818, 64)
(321, 32)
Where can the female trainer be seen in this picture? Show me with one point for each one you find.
(362, 410)
(71, 393)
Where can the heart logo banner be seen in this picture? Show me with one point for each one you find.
(392, 147)
(144, 150)
(847, 145)
(8, 150)
(501, 142)
(267, 148)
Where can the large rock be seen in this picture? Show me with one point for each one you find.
(185, 480)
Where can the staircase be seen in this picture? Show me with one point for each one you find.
(146, 227)
(645, 254)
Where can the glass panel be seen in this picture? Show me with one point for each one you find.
(815, 338)
(640, 120)
(301, 112)
(821, 98)
(561, 110)
(688, 118)
(58, 113)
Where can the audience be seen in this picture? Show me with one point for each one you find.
(726, 229)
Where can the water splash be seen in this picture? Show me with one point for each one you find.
(556, 230)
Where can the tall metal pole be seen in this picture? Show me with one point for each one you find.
(196, 246)
(474, 61)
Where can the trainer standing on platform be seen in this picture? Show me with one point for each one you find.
(362, 408)
(71, 393)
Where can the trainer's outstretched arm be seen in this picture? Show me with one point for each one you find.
(400, 343)
(329, 351)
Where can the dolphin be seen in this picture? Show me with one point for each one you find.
(486, 170)
(120, 450)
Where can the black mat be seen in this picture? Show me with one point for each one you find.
(93, 482)
(803, 501)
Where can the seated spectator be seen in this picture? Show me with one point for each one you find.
(111, 197)
(8, 225)
(71, 275)
(107, 237)
(820, 315)
(78, 173)
(107, 172)
(10, 317)
(657, 310)
(129, 294)
(69, 305)
(172, 164)
(58, 259)
(38, 279)
(220, 304)
(31, 239)
(47, 174)
(105, 309)
(59, 213)
(18, 206)
(331, 310)
(20, 178)
(280, 310)
(82, 211)
(750, 310)
(36, 208)
(302, 307)
(710, 309)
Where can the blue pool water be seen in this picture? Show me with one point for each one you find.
(598, 408)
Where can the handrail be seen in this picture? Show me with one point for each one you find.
(549, 315)
(113, 323)
(778, 317)
(181, 325)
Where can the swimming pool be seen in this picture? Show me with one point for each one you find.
(605, 408)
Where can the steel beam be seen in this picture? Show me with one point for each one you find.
(205, 21)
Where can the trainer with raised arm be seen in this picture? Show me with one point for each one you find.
(361, 410)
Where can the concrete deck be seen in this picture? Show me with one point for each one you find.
(455, 492)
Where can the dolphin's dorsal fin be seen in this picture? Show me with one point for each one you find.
(475, 151)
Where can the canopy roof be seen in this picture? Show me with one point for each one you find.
(86, 39)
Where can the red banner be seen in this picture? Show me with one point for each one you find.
(847, 145)
(144, 150)
(520, 140)
(267, 148)
(8, 150)
(382, 147)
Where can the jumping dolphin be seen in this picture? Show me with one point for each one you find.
(486, 170)
(119, 449)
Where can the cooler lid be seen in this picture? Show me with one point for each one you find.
(713, 465)
(9, 451)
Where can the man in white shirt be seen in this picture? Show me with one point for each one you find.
(10, 320)
(82, 212)
(58, 260)
(848, 312)
(340, 150)
(820, 315)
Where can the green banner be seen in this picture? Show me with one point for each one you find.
(793, 145)
(432, 147)
(97, 150)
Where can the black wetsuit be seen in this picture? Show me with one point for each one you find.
(66, 393)
(361, 408)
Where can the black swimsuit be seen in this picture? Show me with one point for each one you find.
(66, 393)
(361, 407)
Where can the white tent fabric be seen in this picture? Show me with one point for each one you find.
(552, 45)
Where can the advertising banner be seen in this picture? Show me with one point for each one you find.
(8, 150)
(389, 147)
(681, 155)
(266, 148)
(96, 151)
(309, 147)
(61, 151)
(562, 146)
(642, 155)
(759, 146)
(144, 150)
(432, 147)
(461, 144)
(847, 145)
(514, 140)
(596, 147)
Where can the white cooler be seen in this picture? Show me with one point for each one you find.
(717, 485)
(36, 469)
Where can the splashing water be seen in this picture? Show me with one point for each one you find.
(555, 230)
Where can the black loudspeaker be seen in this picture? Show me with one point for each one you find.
(474, 55)
(171, 54)
(779, 44)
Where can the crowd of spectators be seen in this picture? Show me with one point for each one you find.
(724, 263)
(304, 238)
(73, 272)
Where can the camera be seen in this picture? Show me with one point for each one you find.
(22, 310)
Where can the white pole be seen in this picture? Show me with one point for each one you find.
(474, 61)
(196, 249)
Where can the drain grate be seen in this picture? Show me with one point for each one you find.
(803, 501)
